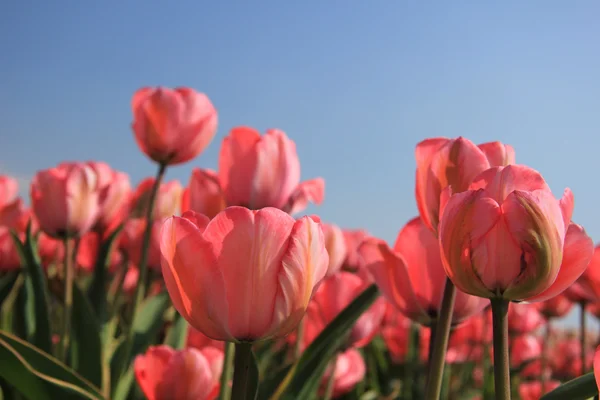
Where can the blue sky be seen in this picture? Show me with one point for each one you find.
(355, 84)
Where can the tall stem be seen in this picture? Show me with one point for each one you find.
(143, 267)
(501, 363)
(543, 377)
(582, 335)
(241, 371)
(69, 278)
(225, 389)
(436, 366)
(432, 329)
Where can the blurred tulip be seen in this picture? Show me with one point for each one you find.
(264, 171)
(504, 237)
(65, 199)
(565, 358)
(336, 247)
(334, 294)
(555, 307)
(524, 318)
(9, 189)
(349, 369)
(9, 258)
(199, 340)
(353, 239)
(524, 349)
(172, 126)
(131, 278)
(189, 374)
(587, 288)
(395, 330)
(87, 252)
(443, 162)
(244, 275)
(15, 215)
(469, 340)
(168, 199)
(131, 241)
(203, 193)
(411, 275)
(114, 190)
(532, 390)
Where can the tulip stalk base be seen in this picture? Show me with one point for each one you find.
(69, 278)
(225, 389)
(440, 345)
(582, 338)
(501, 361)
(245, 373)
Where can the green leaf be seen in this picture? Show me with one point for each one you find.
(177, 334)
(38, 375)
(124, 387)
(86, 338)
(6, 284)
(581, 388)
(304, 378)
(146, 326)
(98, 286)
(35, 275)
(8, 306)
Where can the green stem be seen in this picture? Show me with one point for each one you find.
(69, 278)
(140, 287)
(431, 342)
(436, 366)
(545, 355)
(331, 380)
(501, 362)
(582, 335)
(225, 390)
(241, 371)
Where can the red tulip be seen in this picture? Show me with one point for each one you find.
(524, 349)
(555, 307)
(353, 239)
(65, 199)
(443, 162)
(565, 358)
(168, 199)
(524, 318)
(533, 390)
(333, 295)
(131, 241)
(203, 194)
(336, 247)
(264, 171)
(469, 340)
(411, 275)
(172, 126)
(199, 340)
(114, 191)
(189, 374)
(504, 237)
(244, 275)
(87, 252)
(349, 369)
(395, 331)
(9, 189)
(587, 288)
(9, 258)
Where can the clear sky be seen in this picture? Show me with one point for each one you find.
(357, 84)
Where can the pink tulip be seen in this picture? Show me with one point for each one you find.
(131, 241)
(353, 239)
(15, 215)
(443, 162)
(349, 369)
(565, 358)
(469, 340)
(524, 318)
(524, 349)
(555, 307)
(9, 258)
(189, 374)
(87, 252)
(9, 189)
(395, 331)
(264, 171)
(172, 126)
(168, 199)
(65, 199)
(333, 295)
(114, 191)
(203, 194)
(411, 275)
(50, 249)
(504, 237)
(532, 390)
(587, 288)
(336, 247)
(199, 340)
(244, 275)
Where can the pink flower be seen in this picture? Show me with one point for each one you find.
(9, 189)
(443, 162)
(353, 239)
(244, 275)
(336, 247)
(168, 199)
(504, 237)
(555, 307)
(189, 374)
(114, 191)
(524, 318)
(533, 390)
(203, 194)
(586, 289)
(132, 238)
(172, 126)
(411, 275)
(65, 199)
(264, 171)
(349, 369)
(87, 252)
(199, 340)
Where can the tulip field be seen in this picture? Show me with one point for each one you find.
(221, 287)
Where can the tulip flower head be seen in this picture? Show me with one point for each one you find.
(336, 247)
(505, 237)
(172, 126)
(203, 194)
(349, 369)
(244, 275)
(167, 203)
(114, 190)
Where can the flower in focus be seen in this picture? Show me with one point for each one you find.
(334, 294)
(443, 162)
(244, 275)
(203, 194)
(188, 374)
(172, 126)
(411, 275)
(504, 237)
(168, 199)
(114, 190)
(264, 171)
(65, 199)
(349, 369)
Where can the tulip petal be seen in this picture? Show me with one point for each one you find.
(567, 203)
(498, 153)
(312, 190)
(577, 254)
(500, 181)
(424, 153)
(149, 369)
(305, 264)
